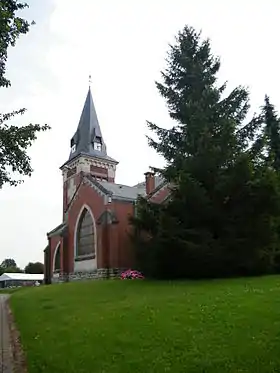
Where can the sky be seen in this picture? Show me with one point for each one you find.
(122, 45)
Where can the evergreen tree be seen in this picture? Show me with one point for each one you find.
(271, 134)
(216, 222)
(270, 141)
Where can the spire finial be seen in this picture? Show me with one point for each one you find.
(89, 81)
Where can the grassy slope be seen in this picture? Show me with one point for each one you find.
(9, 290)
(126, 326)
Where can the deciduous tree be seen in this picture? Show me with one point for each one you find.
(14, 140)
(9, 265)
(36, 267)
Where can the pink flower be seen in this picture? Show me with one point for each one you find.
(131, 275)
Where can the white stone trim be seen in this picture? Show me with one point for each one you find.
(82, 159)
(71, 189)
(85, 206)
(83, 163)
(54, 256)
(85, 181)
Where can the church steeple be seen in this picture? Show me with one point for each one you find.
(88, 139)
(88, 154)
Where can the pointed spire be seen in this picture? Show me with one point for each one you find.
(88, 139)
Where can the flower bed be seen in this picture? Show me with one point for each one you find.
(131, 275)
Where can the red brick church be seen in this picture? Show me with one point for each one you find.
(92, 240)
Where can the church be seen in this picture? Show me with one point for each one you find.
(93, 239)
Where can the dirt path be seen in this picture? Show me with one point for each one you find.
(6, 365)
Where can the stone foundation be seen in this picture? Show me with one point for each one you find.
(98, 274)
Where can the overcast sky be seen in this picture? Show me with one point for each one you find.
(122, 44)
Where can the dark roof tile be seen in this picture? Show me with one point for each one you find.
(88, 139)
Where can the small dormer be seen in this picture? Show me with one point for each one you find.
(97, 144)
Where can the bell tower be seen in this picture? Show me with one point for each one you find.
(88, 154)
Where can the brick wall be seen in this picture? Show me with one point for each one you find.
(124, 254)
(89, 197)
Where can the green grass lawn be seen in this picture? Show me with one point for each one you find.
(147, 327)
(9, 290)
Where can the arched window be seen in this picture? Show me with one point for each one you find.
(57, 259)
(85, 235)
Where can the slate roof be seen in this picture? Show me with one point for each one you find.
(57, 230)
(87, 133)
(124, 192)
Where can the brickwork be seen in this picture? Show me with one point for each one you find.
(87, 197)
(111, 246)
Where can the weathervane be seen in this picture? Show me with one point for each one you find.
(89, 80)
